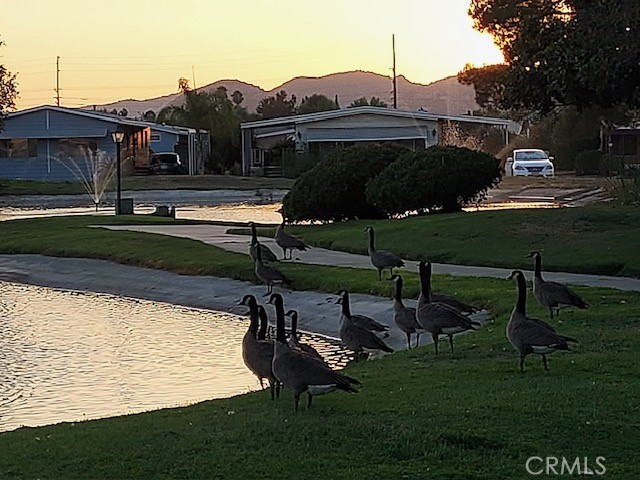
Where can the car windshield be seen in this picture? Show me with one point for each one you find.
(531, 155)
(170, 159)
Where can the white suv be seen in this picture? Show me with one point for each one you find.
(530, 161)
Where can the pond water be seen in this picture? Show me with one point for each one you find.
(237, 212)
(67, 356)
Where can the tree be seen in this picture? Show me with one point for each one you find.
(123, 112)
(334, 189)
(439, 179)
(277, 106)
(564, 52)
(8, 92)
(363, 102)
(316, 103)
(214, 112)
(488, 83)
(149, 116)
(237, 97)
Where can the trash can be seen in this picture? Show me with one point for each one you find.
(126, 206)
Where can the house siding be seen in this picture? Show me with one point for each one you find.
(50, 125)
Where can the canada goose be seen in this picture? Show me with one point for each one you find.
(532, 335)
(300, 372)
(438, 318)
(258, 354)
(267, 255)
(381, 259)
(405, 317)
(264, 323)
(354, 331)
(552, 295)
(462, 307)
(362, 320)
(294, 341)
(287, 241)
(269, 275)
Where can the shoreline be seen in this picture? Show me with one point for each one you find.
(318, 311)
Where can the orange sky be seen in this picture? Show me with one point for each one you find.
(139, 48)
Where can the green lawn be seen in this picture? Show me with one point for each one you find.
(150, 182)
(598, 239)
(472, 416)
(469, 416)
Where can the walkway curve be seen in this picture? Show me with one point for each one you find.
(216, 235)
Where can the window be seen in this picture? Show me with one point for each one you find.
(624, 144)
(19, 148)
(76, 147)
(155, 137)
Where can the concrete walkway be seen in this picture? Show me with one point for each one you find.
(318, 310)
(216, 235)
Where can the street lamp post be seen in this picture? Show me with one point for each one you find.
(117, 138)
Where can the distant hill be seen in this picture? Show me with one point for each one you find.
(444, 96)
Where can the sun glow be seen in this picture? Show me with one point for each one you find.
(140, 49)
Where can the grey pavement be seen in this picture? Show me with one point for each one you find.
(216, 235)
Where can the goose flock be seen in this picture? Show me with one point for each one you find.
(298, 366)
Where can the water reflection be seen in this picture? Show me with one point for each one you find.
(240, 212)
(67, 356)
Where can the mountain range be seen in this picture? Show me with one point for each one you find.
(446, 96)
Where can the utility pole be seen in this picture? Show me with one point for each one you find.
(58, 81)
(193, 74)
(395, 83)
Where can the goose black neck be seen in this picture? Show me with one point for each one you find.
(346, 308)
(294, 323)
(538, 265)
(254, 235)
(262, 314)
(253, 315)
(372, 241)
(280, 335)
(258, 252)
(425, 281)
(522, 294)
(399, 289)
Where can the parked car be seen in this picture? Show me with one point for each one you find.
(530, 161)
(166, 163)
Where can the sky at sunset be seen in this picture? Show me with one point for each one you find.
(118, 49)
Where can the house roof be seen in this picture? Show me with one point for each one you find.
(345, 112)
(107, 117)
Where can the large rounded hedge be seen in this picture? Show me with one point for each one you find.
(334, 189)
(440, 179)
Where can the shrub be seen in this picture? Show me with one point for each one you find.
(437, 179)
(588, 162)
(295, 164)
(334, 189)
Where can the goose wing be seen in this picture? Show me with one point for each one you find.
(462, 307)
(369, 323)
(559, 294)
(302, 369)
(267, 254)
(406, 320)
(258, 356)
(357, 337)
(267, 273)
(385, 259)
(537, 335)
(289, 241)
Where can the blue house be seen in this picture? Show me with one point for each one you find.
(42, 143)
